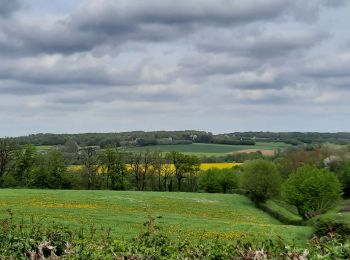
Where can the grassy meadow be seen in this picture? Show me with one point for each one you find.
(201, 149)
(182, 214)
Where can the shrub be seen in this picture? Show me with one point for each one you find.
(327, 226)
(342, 170)
(50, 241)
(261, 179)
(311, 190)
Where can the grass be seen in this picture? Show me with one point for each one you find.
(196, 215)
(201, 149)
(283, 210)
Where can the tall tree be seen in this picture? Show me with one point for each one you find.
(184, 164)
(26, 159)
(261, 179)
(113, 163)
(7, 151)
(49, 171)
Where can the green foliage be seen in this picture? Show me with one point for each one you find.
(290, 160)
(328, 226)
(7, 150)
(261, 179)
(23, 164)
(113, 163)
(49, 171)
(342, 169)
(311, 190)
(186, 166)
(130, 138)
(218, 180)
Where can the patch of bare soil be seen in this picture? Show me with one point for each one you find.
(263, 151)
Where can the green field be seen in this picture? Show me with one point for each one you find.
(201, 149)
(182, 214)
(44, 147)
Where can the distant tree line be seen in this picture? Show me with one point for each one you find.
(294, 138)
(141, 138)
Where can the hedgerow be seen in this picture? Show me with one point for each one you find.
(36, 241)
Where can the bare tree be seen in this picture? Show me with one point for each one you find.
(89, 158)
(146, 167)
(141, 167)
(158, 165)
(168, 173)
(135, 162)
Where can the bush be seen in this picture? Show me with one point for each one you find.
(342, 169)
(261, 179)
(311, 190)
(327, 226)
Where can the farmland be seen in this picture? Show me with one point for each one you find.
(201, 149)
(185, 214)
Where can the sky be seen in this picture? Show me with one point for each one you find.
(214, 65)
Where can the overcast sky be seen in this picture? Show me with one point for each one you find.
(217, 65)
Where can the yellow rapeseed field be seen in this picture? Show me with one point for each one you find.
(203, 167)
(206, 166)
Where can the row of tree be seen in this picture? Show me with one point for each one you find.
(142, 138)
(24, 166)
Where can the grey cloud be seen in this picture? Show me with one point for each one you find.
(262, 45)
(118, 22)
(329, 67)
(7, 7)
(114, 16)
(50, 71)
(335, 3)
(30, 37)
(171, 92)
(110, 16)
(204, 65)
(265, 78)
(309, 11)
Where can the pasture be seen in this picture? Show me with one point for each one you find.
(181, 215)
(201, 149)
